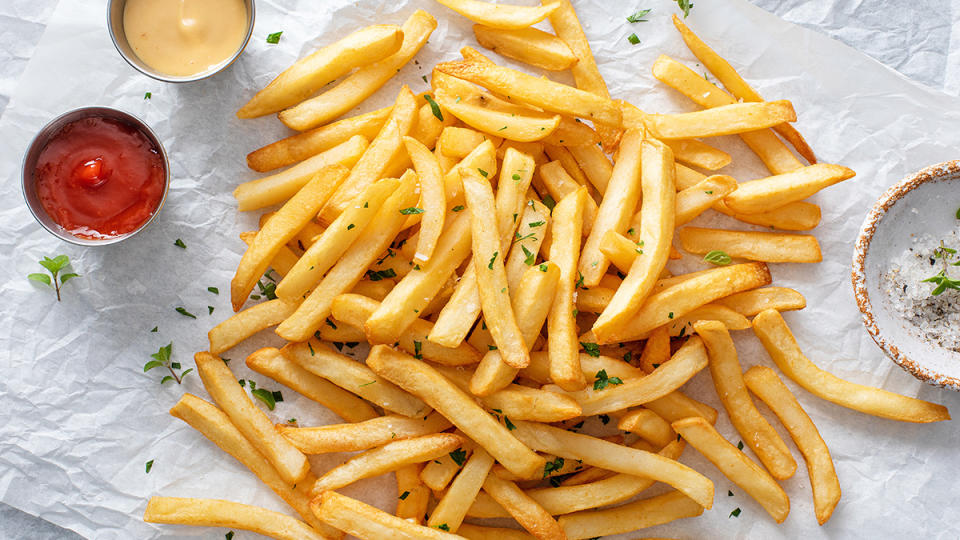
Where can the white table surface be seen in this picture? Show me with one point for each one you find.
(894, 32)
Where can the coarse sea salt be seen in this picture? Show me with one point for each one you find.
(933, 318)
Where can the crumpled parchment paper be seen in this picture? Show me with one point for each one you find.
(80, 418)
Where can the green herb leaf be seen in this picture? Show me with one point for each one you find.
(459, 456)
(403, 496)
(265, 396)
(740, 445)
(443, 527)
(482, 172)
(274, 38)
(148, 95)
(591, 349)
(735, 513)
(633, 39)
(148, 466)
(367, 383)
(42, 278)
(165, 379)
(214, 290)
(163, 354)
(185, 313)
(509, 424)
(185, 373)
(411, 210)
(179, 243)
(638, 16)
(552, 466)
(686, 6)
(492, 259)
(603, 380)
(718, 258)
(229, 535)
(152, 364)
(543, 267)
(531, 256)
(457, 208)
(416, 349)
(536, 224)
(381, 274)
(155, 328)
(434, 108)
(549, 202)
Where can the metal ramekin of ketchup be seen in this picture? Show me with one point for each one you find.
(95, 176)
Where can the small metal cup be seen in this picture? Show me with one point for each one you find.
(115, 24)
(39, 142)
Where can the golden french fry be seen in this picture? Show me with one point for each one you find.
(363, 82)
(219, 513)
(475, 532)
(735, 465)
(251, 421)
(783, 349)
(796, 216)
(216, 426)
(765, 384)
(503, 16)
(752, 245)
(458, 142)
(727, 376)
(698, 154)
(368, 522)
(453, 506)
(648, 425)
(616, 209)
(722, 120)
(561, 321)
(520, 402)
(560, 184)
(428, 126)
(656, 233)
(708, 312)
(335, 240)
(572, 132)
(412, 496)
(539, 368)
(676, 405)
(280, 229)
(530, 515)
(656, 350)
(282, 262)
(682, 298)
(534, 221)
(364, 435)
(770, 193)
(311, 73)
(248, 322)
(387, 458)
(491, 274)
(528, 45)
(594, 163)
(439, 472)
(373, 241)
(457, 406)
(694, 200)
(683, 365)
(507, 121)
(569, 162)
(733, 82)
(614, 457)
(630, 517)
(548, 95)
(270, 362)
(749, 303)
(622, 252)
(302, 146)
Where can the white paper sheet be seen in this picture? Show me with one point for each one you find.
(80, 419)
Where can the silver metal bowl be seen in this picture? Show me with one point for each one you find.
(39, 142)
(115, 24)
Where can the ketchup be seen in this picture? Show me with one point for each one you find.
(99, 177)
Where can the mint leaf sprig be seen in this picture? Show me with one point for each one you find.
(942, 280)
(54, 266)
(161, 358)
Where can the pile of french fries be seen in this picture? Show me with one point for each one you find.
(511, 282)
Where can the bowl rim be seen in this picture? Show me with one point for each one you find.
(858, 270)
(42, 137)
(157, 75)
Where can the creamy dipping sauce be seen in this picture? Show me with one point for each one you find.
(184, 37)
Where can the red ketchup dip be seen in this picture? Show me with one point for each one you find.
(99, 178)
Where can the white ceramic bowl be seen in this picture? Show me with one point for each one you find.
(924, 203)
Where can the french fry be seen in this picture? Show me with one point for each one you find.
(219, 381)
(779, 342)
(682, 298)
(614, 457)
(571, 132)
(433, 196)
(376, 159)
(528, 45)
(765, 384)
(722, 120)
(774, 154)
(248, 322)
(438, 473)
(750, 303)
(502, 16)
(458, 142)
(302, 146)
(457, 406)
(548, 95)
(534, 221)
(475, 532)
(735, 465)
(561, 322)
(377, 431)
(335, 240)
(530, 515)
(373, 241)
(585, 73)
(508, 121)
(357, 87)
(453, 506)
(656, 350)
(539, 368)
(656, 233)
(616, 209)
(368, 522)
(622, 252)
(311, 73)
(733, 82)
(387, 458)
(630, 517)
(797, 216)
(280, 229)
(594, 163)
(351, 375)
(770, 193)
(569, 162)
(219, 513)
(698, 154)
(412, 496)
(428, 127)
(270, 362)
(648, 425)
(560, 184)
(696, 199)
(356, 310)
(216, 426)
(676, 405)
(520, 402)
(343, 333)
(708, 312)
(683, 365)
(727, 376)
(752, 245)
(282, 262)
